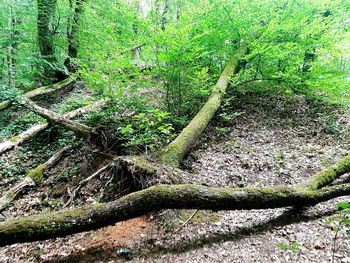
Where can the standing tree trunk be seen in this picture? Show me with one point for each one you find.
(164, 14)
(72, 33)
(13, 35)
(10, 69)
(46, 34)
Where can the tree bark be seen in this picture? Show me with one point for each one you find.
(179, 148)
(164, 14)
(72, 33)
(80, 130)
(32, 132)
(65, 222)
(42, 91)
(184, 196)
(34, 177)
(95, 136)
(10, 48)
(46, 35)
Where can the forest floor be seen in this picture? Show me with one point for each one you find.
(257, 139)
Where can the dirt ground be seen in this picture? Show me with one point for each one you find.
(255, 140)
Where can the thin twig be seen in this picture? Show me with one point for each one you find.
(84, 182)
(187, 221)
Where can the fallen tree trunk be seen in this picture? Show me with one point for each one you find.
(65, 222)
(34, 177)
(33, 131)
(80, 130)
(41, 91)
(176, 151)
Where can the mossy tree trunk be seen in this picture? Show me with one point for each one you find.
(65, 222)
(184, 196)
(177, 150)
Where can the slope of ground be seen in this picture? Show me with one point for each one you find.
(258, 139)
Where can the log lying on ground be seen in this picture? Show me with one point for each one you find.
(80, 130)
(95, 136)
(42, 90)
(175, 151)
(33, 131)
(34, 177)
(65, 222)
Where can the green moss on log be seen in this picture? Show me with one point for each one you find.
(174, 153)
(14, 139)
(5, 104)
(65, 222)
(50, 88)
(144, 166)
(41, 90)
(37, 174)
(327, 176)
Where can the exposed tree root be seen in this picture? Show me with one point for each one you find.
(41, 91)
(85, 181)
(35, 176)
(33, 131)
(158, 197)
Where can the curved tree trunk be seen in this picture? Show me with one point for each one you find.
(187, 196)
(65, 222)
